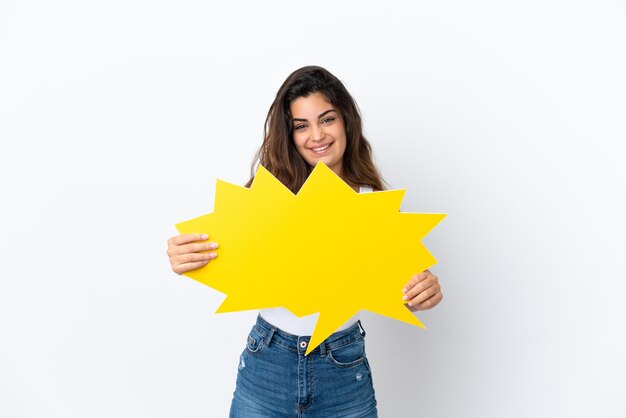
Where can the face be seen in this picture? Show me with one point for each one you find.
(318, 131)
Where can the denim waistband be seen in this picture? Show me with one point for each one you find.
(274, 335)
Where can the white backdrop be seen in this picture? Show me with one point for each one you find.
(117, 117)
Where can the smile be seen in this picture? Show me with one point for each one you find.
(322, 149)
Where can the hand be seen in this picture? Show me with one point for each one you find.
(422, 291)
(183, 251)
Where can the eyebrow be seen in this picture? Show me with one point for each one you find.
(320, 115)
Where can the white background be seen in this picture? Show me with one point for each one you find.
(117, 117)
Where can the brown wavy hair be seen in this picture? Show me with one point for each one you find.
(278, 153)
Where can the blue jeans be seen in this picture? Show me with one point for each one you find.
(276, 379)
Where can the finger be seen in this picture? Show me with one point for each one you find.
(423, 296)
(186, 238)
(415, 280)
(430, 281)
(191, 248)
(430, 302)
(192, 257)
(183, 268)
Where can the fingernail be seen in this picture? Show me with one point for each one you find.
(404, 297)
(213, 255)
(213, 246)
(404, 290)
(205, 261)
(205, 236)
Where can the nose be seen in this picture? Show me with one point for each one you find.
(317, 133)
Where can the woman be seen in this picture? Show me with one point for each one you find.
(313, 118)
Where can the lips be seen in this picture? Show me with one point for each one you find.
(321, 149)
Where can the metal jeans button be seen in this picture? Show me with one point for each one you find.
(302, 344)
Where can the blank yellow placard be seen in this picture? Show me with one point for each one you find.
(327, 249)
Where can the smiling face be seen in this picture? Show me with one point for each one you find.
(318, 131)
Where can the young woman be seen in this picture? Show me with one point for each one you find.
(313, 118)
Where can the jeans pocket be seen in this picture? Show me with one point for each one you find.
(255, 343)
(348, 355)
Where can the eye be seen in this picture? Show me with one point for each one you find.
(329, 119)
(298, 127)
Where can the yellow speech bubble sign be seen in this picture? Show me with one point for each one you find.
(327, 249)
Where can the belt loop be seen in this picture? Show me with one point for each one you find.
(323, 349)
(361, 328)
(269, 337)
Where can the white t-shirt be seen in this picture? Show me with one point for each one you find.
(288, 322)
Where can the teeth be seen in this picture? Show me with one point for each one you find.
(321, 148)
